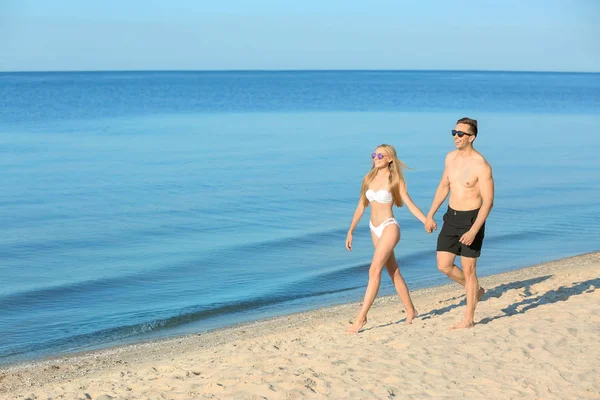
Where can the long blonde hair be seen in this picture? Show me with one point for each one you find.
(396, 177)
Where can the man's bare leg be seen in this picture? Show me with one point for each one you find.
(445, 261)
(471, 289)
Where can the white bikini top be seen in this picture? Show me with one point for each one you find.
(380, 196)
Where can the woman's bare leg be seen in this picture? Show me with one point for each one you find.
(401, 288)
(394, 271)
(385, 246)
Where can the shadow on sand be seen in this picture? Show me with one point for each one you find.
(552, 296)
(495, 292)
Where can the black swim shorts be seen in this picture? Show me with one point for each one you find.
(456, 224)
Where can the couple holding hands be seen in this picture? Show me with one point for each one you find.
(468, 179)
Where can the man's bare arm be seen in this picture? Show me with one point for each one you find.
(486, 188)
(441, 193)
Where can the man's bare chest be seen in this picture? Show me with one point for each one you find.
(462, 176)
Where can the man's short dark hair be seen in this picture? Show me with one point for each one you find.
(471, 122)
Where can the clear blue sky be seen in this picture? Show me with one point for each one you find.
(540, 35)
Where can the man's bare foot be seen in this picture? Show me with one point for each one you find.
(462, 325)
(356, 326)
(410, 316)
(480, 293)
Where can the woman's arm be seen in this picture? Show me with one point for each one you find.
(409, 203)
(360, 210)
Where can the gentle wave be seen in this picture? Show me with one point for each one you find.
(30, 298)
(183, 317)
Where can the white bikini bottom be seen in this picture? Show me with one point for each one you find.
(378, 230)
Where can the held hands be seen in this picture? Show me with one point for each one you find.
(468, 238)
(430, 225)
(349, 241)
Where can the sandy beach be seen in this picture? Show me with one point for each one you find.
(537, 337)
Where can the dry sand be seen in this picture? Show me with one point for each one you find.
(537, 337)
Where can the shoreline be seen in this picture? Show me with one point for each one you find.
(32, 375)
(232, 328)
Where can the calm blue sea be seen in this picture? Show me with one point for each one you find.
(137, 205)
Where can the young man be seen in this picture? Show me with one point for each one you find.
(468, 178)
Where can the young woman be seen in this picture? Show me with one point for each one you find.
(383, 187)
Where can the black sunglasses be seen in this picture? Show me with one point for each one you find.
(461, 133)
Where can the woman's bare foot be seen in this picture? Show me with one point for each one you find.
(356, 326)
(410, 315)
(462, 325)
